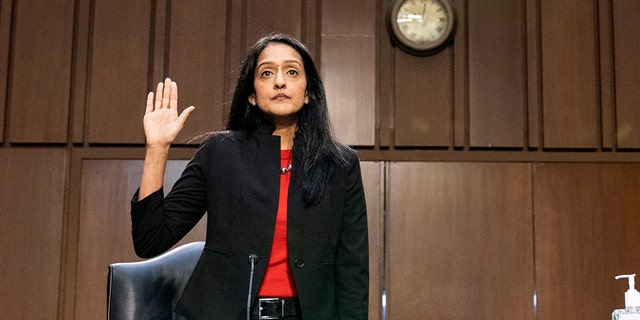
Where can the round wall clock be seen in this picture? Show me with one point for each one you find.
(422, 27)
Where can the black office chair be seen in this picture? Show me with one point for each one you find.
(149, 289)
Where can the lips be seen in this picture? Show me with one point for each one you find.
(280, 96)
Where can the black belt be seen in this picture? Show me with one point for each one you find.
(275, 308)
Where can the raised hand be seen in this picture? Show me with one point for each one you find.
(161, 120)
(161, 126)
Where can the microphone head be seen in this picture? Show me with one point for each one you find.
(253, 258)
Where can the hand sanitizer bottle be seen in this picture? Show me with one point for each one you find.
(631, 301)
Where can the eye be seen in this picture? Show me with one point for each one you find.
(266, 73)
(292, 72)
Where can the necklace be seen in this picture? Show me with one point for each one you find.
(286, 169)
(285, 158)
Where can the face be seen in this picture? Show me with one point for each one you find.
(280, 83)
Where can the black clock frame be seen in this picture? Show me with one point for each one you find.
(400, 41)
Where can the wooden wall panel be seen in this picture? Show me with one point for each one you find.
(40, 71)
(569, 74)
(533, 80)
(197, 63)
(496, 33)
(606, 75)
(285, 17)
(459, 241)
(460, 83)
(372, 177)
(5, 35)
(627, 71)
(31, 223)
(105, 227)
(424, 101)
(119, 68)
(311, 28)
(160, 42)
(79, 69)
(348, 67)
(385, 84)
(586, 232)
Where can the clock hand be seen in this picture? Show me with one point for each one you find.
(424, 11)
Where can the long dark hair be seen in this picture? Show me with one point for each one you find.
(316, 152)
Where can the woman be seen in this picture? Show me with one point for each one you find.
(281, 194)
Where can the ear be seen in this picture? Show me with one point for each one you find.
(252, 99)
(306, 97)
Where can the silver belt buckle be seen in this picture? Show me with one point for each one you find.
(261, 317)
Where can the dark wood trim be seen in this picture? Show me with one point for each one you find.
(6, 30)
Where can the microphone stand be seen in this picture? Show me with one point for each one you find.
(253, 259)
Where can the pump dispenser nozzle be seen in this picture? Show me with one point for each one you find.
(632, 296)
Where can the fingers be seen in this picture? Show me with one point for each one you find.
(149, 107)
(173, 96)
(166, 96)
(185, 113)
(158, 103)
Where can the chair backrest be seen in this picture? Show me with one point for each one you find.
(149, 289)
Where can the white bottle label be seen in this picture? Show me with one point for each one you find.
(628, 316)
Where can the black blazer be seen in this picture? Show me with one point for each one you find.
(235, 177)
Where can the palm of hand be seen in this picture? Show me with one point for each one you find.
(161, 126)
(161, 120)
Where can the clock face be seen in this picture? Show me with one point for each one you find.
(422, 21)
(422, 25)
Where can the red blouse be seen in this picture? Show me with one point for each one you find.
(278, 279)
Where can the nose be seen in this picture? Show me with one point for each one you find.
(279, 80)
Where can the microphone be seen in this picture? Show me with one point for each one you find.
(253, 260)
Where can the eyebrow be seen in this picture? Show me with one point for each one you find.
(291, 61)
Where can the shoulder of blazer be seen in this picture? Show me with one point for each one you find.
(238, 142)
(236, 136)
(221, 138)
(233, 135)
